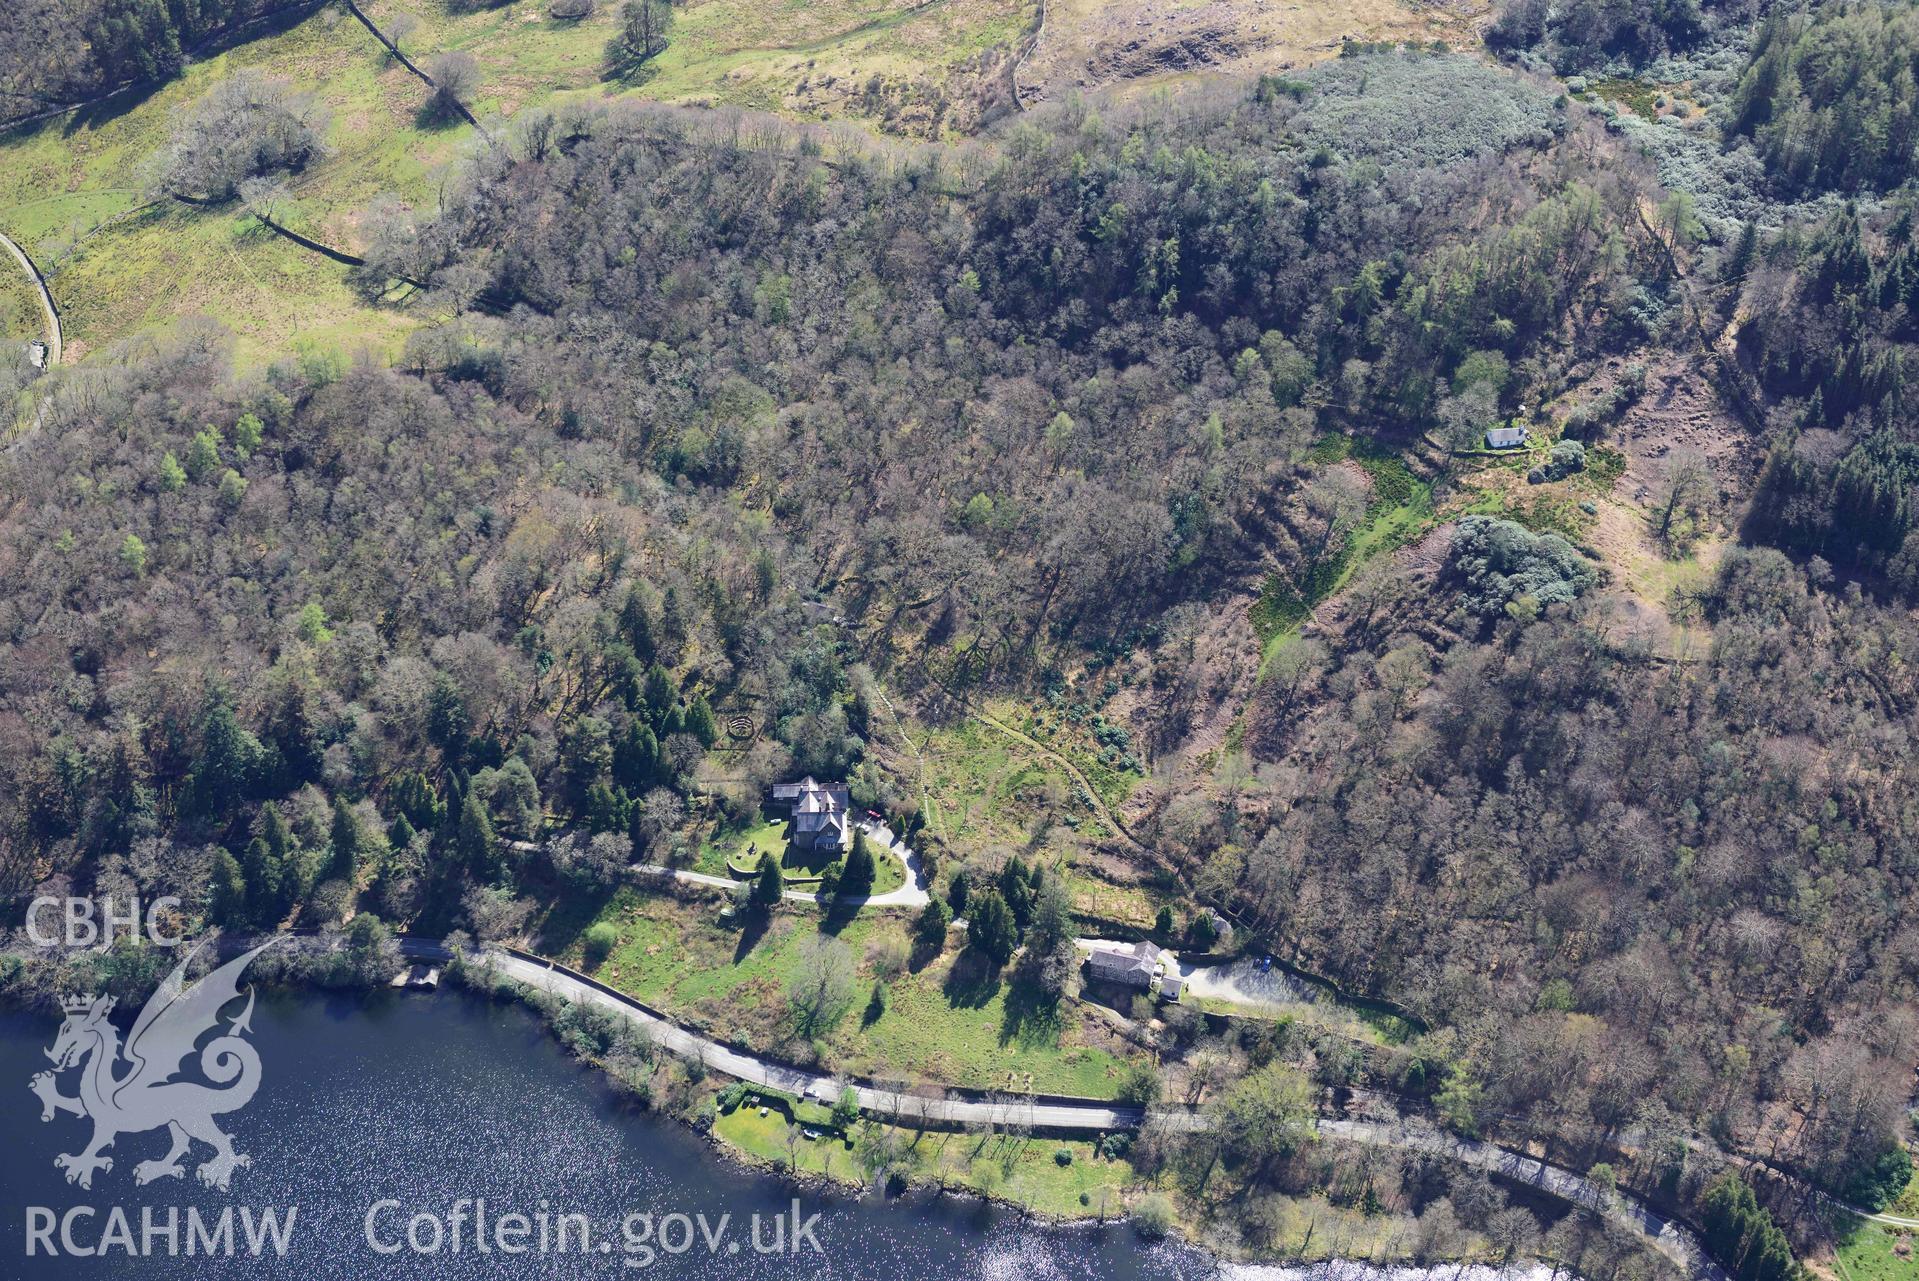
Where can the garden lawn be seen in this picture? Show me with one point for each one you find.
(963, 1034)
(730, 844)
(742, 848)
(1021, 1169)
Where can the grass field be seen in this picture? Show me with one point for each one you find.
(835, 58)
(987, 790)
(943, 1024)
(72, 189)
(1111, 771)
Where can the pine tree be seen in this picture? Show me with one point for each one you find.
(660, 695)
(931, 927)
(700, 723)
(990, 926)
(446, 718)
(608, 808)
(417, 802)
(229, 906)
(958, 890)
(261, 873)
(1016, 887)
(636, 757)
(347, 842)
(478, 852)
(857, 878)
(400, 833)
(770, 886)
(1745, 249)
(273, 828)
(636, 623)
(229, 761)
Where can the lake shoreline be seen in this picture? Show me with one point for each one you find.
(1241, 1266)
(317, 972)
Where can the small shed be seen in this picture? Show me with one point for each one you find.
(1171, 986)
(1505, 437)
(37, 354)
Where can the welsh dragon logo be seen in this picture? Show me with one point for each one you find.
(145, 1096)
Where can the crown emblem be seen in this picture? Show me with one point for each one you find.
(79, 1004)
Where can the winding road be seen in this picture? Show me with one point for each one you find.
(1673, 1240)
(48, 312)
(902, 1103)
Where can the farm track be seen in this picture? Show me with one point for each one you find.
(48, 311)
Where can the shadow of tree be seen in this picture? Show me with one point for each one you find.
(922, 955)
(972, 982)
(753, 926)
(1031, 1016)
(433, 116)
(572, 913)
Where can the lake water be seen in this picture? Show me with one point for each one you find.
(426, 1100)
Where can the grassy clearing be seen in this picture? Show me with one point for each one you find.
(1867, 1251)
(677, 956)
(1136, 905)
(1569, 507)
(1098, 750)
(1649, 100)
(989, 791)
(991, 795)
(1629, 94)
(834, 58)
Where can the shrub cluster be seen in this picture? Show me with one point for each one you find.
(1502, 564)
